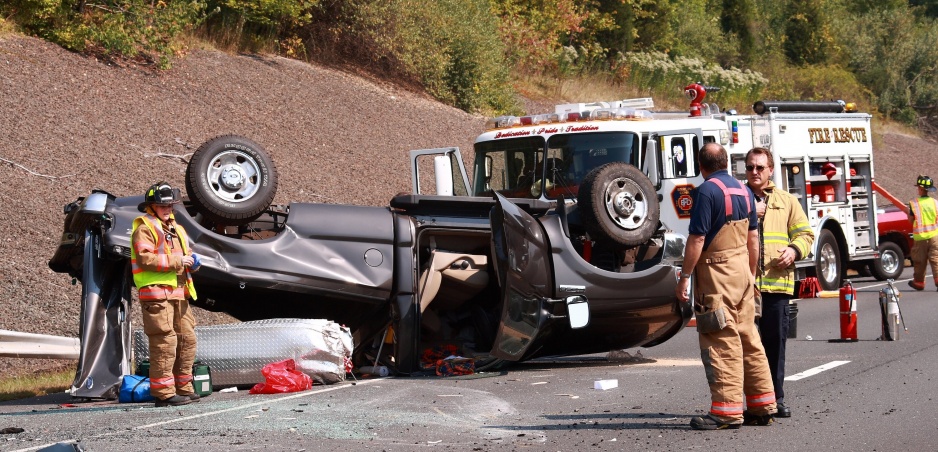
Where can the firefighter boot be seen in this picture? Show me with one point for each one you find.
(917, 285)
(757, 419)
(175, 400)
(709, 422)
(192, 397)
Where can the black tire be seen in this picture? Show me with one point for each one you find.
(891, 262)
(231, 180)
(827, 262)
(619, 205)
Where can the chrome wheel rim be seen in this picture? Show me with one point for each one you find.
(626, 204)
(828, 261)
(234, 176)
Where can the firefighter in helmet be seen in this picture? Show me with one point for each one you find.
(162, 261)
(923, 213)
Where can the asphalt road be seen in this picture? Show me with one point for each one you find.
(879, 398)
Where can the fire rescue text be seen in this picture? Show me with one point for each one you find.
(837, 134)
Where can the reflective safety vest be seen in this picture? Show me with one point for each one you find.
(925, 210)
(164, 275)
(784, 225)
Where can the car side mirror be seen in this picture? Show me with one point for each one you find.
(578, 311)
(443, 170)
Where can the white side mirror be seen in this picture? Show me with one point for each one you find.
(578, 311)
(444, 175)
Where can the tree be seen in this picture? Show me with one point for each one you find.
(637, 25)
(807, 32)
(736, 18)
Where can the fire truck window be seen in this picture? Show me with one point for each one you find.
(572, 156)
(696, 152)
(502, 164)
(679, 157)
(738, 166)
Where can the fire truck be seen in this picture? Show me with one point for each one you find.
(621, 172)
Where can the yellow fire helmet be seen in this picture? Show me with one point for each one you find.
(926, 183)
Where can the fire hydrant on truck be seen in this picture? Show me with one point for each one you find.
(621, 171)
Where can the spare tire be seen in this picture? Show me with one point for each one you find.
(618, 204)
(231, 180)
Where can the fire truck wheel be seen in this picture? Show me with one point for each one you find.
(619, 205)
(827, 263)
(231, 180)
(891, 262)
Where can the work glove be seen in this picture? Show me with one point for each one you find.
(196, 263)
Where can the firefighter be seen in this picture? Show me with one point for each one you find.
(162, 261)
(922, 212)
(722, 250)
(784, 237)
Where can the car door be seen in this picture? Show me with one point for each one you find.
(520, 254)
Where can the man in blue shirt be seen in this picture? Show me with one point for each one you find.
(722, 249)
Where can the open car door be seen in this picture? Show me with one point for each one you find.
(520, 253)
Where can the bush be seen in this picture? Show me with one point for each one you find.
(147, 31)
(451, 48)
(260, 25)
(662, 75)
(815, 83)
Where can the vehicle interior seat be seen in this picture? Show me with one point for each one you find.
(452, 278)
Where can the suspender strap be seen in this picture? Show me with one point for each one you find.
(727, 192)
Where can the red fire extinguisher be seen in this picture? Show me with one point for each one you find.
(848, 312)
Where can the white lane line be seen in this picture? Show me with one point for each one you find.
(263, 402)
(241, 407)
(815, 370)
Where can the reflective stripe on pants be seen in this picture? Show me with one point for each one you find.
(733, 357)
(170, 328)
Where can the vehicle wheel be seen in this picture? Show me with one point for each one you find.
(891, 262)
(231, 180)
(619, 204)
(827, 263)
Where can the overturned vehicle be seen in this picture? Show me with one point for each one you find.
(503, 275)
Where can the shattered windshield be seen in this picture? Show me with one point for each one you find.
(518, 167)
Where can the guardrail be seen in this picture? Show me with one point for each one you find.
(14, 344)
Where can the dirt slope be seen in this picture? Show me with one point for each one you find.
(69, 124)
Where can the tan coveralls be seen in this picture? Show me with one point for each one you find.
(733, 357)
(167, 320)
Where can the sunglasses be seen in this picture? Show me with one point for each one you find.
(758, 168)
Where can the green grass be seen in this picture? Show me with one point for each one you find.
(35, 385)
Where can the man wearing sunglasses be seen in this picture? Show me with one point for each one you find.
(784, 237)
(162, 260)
